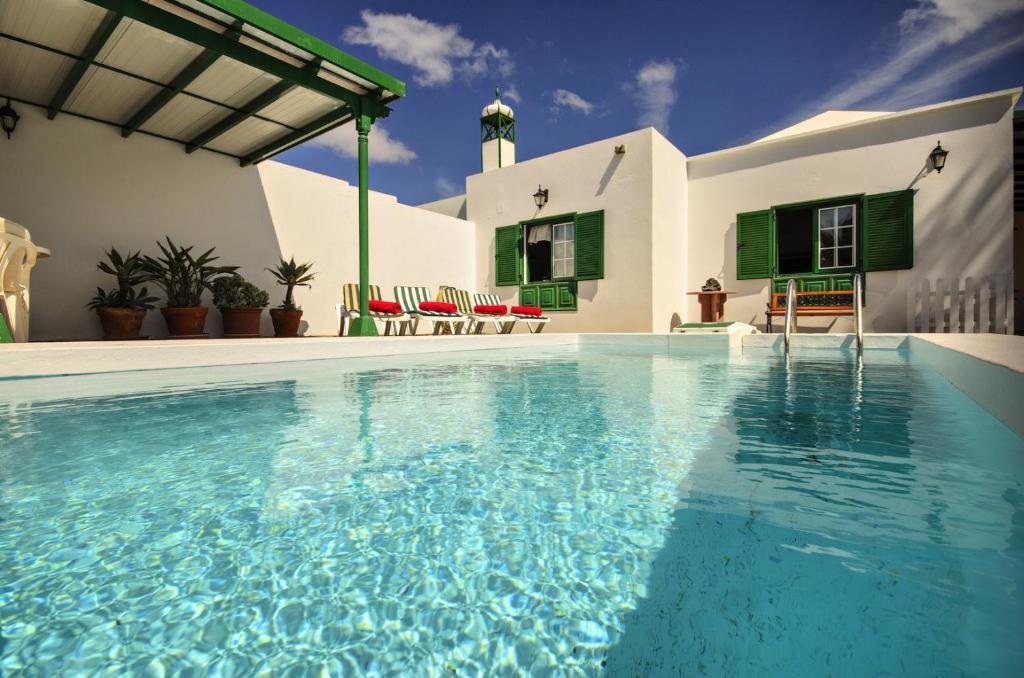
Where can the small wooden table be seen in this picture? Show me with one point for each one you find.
(712, 305)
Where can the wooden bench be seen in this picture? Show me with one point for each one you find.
(821, 304)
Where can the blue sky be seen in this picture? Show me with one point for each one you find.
(707, 74)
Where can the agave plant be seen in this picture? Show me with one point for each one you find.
(129, 271)
(292, 275)
(182, 276)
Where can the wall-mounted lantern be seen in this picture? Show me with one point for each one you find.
(938, 157)
(540, 198)
(8, 118)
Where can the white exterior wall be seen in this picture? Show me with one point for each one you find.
(489, 159)
(962, 217)
(80, 188)
(582, 179)
(669, 233)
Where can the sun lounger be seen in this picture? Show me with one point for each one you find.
(503, 322)
(411, 299)
(535, 323)
(349, 309)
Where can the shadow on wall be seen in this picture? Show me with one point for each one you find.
(128, 195)
(609, 172)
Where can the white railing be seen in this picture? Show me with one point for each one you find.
(790, 311)
(973, 304)
(858, 313)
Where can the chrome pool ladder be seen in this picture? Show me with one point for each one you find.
(790, 311)
(858, 316)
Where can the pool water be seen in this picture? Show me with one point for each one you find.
(565, 511)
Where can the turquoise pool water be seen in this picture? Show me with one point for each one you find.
(565, 512)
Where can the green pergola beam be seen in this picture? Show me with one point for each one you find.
(338, 116)
(78, 69)
(284, 31)
(245, 111)
(163, 20)
(179, 83)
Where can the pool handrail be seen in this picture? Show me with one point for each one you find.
(858, 316)
(790, 311)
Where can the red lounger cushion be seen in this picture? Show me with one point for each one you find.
(437, 307)
(490, 309)
(527, 310)
(380, 306)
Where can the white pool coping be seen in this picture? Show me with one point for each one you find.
(47, 359)
(87, 357)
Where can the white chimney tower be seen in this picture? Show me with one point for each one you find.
(497, 135)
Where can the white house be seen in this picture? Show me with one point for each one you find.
(631, 224)
(843, 191)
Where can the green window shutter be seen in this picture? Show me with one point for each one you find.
(888, 237)
(755, 245)
(507, 260)
(589, 245)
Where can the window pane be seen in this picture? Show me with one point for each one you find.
(828, 258)
(559, 250)
(846, 216)
(828, 239)
(846, 236)
(559, 232)
(559, 269)
(845, 256)
(827, 218)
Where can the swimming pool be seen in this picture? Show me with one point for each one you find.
(570, 510)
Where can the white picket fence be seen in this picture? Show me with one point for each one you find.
(967, 305)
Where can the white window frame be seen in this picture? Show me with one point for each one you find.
(835, 242)
(571, 243)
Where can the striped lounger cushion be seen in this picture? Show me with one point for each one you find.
(410, 298)
(495, 300)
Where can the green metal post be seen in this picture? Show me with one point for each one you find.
(363, 326)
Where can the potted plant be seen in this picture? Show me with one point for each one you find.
(184, 278)
(122, 308)
(241, 305)
(287, 316)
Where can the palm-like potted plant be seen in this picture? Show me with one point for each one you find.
(122, 309)
(291, 275)
(183, 278)
(241, 305)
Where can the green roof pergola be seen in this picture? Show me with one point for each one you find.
(216, 75)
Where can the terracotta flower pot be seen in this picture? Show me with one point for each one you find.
(286, 323)
(241, 322)
(185, 323)
(121, 323)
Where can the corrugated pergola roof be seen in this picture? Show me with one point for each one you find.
(214, 74)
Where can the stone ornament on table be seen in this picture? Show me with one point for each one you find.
(711, 285)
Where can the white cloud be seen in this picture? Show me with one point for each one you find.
(923, 63)
(563, 98)
(512, 94)
(445, 187)
(654, 91)
(943, 80)
(383, 148)
(437, 52)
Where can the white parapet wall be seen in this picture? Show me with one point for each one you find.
(80, 188)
